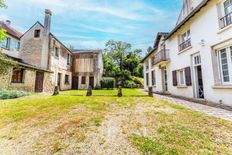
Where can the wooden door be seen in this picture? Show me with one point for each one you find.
(75, 82)
(39, 82)
(91, 82)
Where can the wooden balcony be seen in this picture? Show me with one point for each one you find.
(185, 45)
(226, 20)
(161, 56)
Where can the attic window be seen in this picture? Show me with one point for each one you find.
(37, 33)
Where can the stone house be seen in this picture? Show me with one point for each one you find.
(87, 68)
(44, 61)
(194, 60)
(23, 75)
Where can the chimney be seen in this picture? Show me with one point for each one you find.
(47, 21)
(7, 22)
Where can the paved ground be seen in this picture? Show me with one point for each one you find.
(211, 111)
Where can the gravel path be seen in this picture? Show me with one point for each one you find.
(211, 111)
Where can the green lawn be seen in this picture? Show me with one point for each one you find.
(59, 124)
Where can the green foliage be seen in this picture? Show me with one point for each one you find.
(122, 63)
(8, 94)
(107, 83)
(2, 4)
(130, 84)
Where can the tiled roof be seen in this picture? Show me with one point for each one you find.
(11, 31)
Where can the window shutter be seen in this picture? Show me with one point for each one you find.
(174, 78)
(188, 76)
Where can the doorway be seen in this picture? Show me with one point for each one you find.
(39, 82)
(75, 82)
(91, 82)
(164, 79)
(59, 80)
(199, 86)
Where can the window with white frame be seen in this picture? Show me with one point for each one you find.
(225, 65)
(185, 40)
(181, 77)
(6, 43)
(226, 18)
(228, 6)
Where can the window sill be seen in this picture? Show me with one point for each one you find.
(182, 86)
(17, 83)
(222, 87)
(184, 50)
(224, 29)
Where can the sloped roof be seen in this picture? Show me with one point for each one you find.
(187, 18)
(83, 51)
(10, 30)
(156, 43)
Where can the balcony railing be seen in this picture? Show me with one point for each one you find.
(226, 20)
(162, 55)
(185, 44)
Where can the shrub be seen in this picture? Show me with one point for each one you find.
(108, 83)
(10, 94)
(130, 84)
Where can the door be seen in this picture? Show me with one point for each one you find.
(91, 82)
(198, 78)
(59, 80)
(75, 82)
(165, 79)
(39, 82)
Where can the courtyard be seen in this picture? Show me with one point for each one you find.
(72, 123)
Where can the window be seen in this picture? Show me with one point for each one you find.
(69, 59)
(225, 62)
(153, 78)
(37, 33)
(185, 40)
(17, 75)
(66, 81)
(181, 77)
(17, 46)
(227, 19)
(83, 80)
(56, 51)
(6, 43)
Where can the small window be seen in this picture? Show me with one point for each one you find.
(181, 79)
(83, 80)
(185, 40)
(69, 59)
(66, 79)
(17, 75)
(6, 43)
(17, 46)
(37, 33)
(56, 51)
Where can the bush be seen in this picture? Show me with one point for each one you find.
(139, 81)
(107, 83)
(10, 94)
(130, 84)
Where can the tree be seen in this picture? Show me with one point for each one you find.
(149, 49)
(4, 60)
(121, 62)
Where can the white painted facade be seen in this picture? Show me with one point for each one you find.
(207, 38)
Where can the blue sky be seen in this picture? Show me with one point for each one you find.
(91, 23)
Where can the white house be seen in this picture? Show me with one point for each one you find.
(197, 62)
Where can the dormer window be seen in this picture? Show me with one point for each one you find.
(227, 12)
(37, 34)
(185, 40)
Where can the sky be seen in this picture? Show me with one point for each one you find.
(89, 24)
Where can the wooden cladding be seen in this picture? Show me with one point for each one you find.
(188, 78)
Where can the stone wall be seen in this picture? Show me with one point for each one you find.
(48, 85)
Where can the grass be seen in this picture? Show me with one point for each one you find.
(170, 128)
